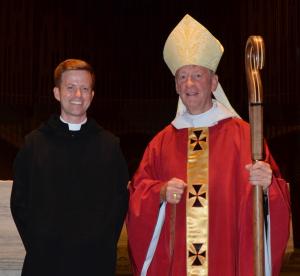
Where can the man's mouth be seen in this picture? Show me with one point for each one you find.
(192, 93)
(76, 102)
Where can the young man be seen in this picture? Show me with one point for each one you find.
(190, 209)
(69, 194)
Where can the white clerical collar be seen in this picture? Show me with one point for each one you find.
(73, 127)
(209, 118)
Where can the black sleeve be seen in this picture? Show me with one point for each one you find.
(19, 194)
(121, 178)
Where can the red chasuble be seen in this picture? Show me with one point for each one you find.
(229, 247)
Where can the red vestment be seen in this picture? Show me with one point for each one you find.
(230, 244)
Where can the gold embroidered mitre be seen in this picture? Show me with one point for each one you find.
(191, 43)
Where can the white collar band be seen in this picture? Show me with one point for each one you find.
(73, 127)
(209, 118)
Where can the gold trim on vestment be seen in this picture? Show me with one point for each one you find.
(197, 202)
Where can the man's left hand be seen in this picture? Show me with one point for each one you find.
(260, 173)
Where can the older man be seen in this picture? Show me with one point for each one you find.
(190, 210)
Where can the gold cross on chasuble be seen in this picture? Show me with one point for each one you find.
(197, 202)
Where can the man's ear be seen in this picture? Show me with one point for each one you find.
(214, 82)
(56, 93)
(176, 87)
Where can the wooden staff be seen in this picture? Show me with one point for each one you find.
(254, 60)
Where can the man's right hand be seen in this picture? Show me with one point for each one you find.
(172, 190)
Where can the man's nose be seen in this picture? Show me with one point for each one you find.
(78, 92)
(189, 81)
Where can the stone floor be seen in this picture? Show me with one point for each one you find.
(12, 252)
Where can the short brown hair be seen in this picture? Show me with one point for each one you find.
(72, 64)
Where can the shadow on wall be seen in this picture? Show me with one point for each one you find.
(133, 146)
(7, 155)
(286, 151)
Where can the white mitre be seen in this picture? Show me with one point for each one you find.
(190, 43)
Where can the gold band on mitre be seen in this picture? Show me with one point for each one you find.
(192, 43)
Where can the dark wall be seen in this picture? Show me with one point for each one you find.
(135, 95)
